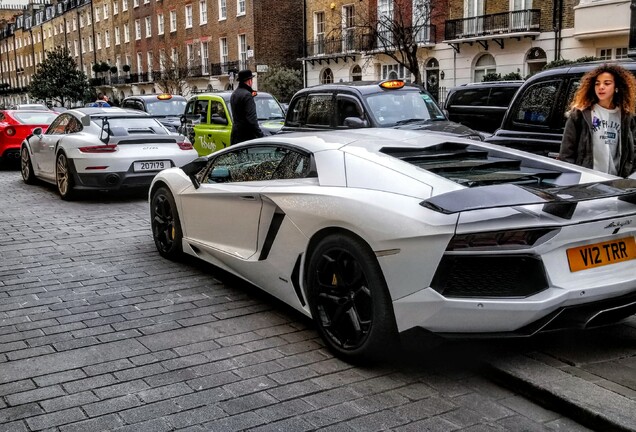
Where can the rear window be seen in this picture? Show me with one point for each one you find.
(536, 104)
(469, 97)
(172, 107)
(33, 118)
(501, 96)
(268, 109)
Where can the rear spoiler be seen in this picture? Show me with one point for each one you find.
(86, 120)
(559, 201)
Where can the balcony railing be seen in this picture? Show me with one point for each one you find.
(521, 21)
(224, 68)
(354, 42)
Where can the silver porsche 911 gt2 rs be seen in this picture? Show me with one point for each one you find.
(377, 232)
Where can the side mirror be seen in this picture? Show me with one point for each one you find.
(355, 123)
(37, 131)
(193, 168)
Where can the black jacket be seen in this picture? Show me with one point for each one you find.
(244, 120)
(576, 146)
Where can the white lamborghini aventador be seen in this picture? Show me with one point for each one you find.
(376, 232)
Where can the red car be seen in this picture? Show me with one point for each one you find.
(16, 125)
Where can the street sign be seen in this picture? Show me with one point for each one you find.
(262, 68)
(250, 53)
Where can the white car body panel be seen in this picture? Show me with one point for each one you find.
(377, 197)
(150, 147)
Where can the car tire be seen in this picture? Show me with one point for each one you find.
(349, 300)
(64, 178)
(166, 225)
(26, 166)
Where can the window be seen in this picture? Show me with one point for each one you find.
(126, 33)
(393, 71)
(536, 104)
(173, 21)
(150, 61)
(347, 107)
(74, 48)
(242, 51)
(124, 5)
(188, 16)
(203, 12)
(258, 164)
(385, 13)
(107, 39)
(189, 53)
(484, 66)
(222, 9)
(160, 24)
(90, 44)
(96, 15)
(240, 7)
(83, 45)
(223, 51)
(611, 53)
(474, 10)
(162, 60)
(81, 21)
(74, 24)
(137, 30)
(174, 56)
(115, 7)
(326, 77)
(319, 32)
(117, 39)
(356, 73)
(135, 3)
(348, 27)
(140, 66)
(148, 27)
(204, 58)
(105, 9)
(98, 41)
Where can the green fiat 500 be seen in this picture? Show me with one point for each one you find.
(207, 120)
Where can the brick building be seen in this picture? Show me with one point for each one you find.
(464, 39)
(145, 42)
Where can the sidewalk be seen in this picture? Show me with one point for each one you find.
(589, 376)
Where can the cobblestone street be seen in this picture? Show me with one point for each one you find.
(98, 332)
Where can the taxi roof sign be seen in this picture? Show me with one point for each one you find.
(164, 96)
(392, 84)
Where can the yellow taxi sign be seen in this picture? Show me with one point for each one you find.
(601, 254)
(164, 96)
(392, 84)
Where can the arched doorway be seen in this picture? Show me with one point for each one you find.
(431, 77)
(356, 73)
(535, 60)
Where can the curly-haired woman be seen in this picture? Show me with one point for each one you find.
(600, 129)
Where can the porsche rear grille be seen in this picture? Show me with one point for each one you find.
(490, 276)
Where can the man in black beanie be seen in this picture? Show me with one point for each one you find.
(245, 121)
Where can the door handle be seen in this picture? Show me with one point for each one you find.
(248, 197)
(51, 147)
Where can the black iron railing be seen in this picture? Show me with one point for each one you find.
(224, 68)
(520, 21)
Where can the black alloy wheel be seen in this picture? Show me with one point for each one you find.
(349, 299)
(26, 167)
(166, 226)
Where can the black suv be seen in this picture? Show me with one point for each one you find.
(480, 106)
(169, 108)
(388, 104)
(536, 118)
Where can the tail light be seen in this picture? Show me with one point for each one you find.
(185, 145)
(107, 148)
(522, 239)
(10, 131)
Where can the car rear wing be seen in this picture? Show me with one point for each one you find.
(560, 201)
(104, 136)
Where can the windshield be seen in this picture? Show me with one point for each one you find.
(35, 118)
(267, 108)
(399, 107)
(172, 107)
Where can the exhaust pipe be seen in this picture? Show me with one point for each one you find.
(112, 179)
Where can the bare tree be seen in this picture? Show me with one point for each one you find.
(400, 28)
(172, 76)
